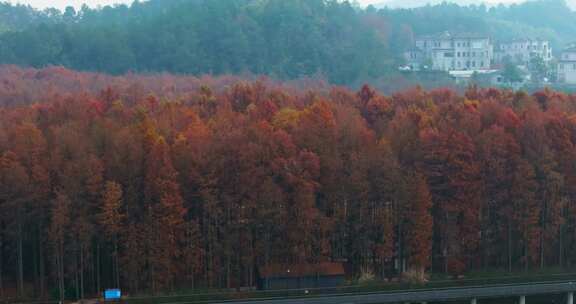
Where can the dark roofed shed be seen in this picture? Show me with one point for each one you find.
(297, 276)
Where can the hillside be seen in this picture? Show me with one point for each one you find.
(324, 39)
(214, 37)
(15, 17)
(420, 3)
(549, 19)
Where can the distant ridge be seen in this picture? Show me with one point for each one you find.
(420, 3)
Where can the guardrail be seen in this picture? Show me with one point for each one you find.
(431, 295)
(379, 287)
(354, 289)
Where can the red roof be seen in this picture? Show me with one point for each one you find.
(301, 270)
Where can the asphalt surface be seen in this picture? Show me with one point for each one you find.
(460, 293)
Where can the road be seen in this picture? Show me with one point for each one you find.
(432, 295)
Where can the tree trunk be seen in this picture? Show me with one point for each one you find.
(542, 249)
(561, 241)
(35, 267)
(1, 264)
(92, 272)
(82, 272)
(20, 253)
(228, 247)
(544, 218)
(153, 278)
(526, 256)
(192, 285)
(42, 268)
(561, 249)
(62, 276)
(251, 274)
(60, 267)
(76, 272)
(98, 286)
(117, 264)
(192, 262)
(509, 246)
(228, 270)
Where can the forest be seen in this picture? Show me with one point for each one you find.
(156, 183)
(338, 41)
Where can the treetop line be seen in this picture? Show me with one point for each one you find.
(152, 183)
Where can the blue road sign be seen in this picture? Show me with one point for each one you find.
(112, 294)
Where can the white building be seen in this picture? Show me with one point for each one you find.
(464, 77)
(521, 51)
(567, 66)
(415, 59)
(451, 52)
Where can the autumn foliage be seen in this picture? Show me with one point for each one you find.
(153, 183)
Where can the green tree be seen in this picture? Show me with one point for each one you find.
(511, 73)
(538, 69)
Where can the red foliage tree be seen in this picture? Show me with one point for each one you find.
(214, 178)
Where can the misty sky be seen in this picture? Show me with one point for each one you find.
(77, 3)
(63, 3)
(366, 2)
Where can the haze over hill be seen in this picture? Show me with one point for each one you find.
(420, 3)
(337, 41)
(192, 151)
(61, 4)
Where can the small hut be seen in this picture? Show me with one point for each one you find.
(298, 276)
